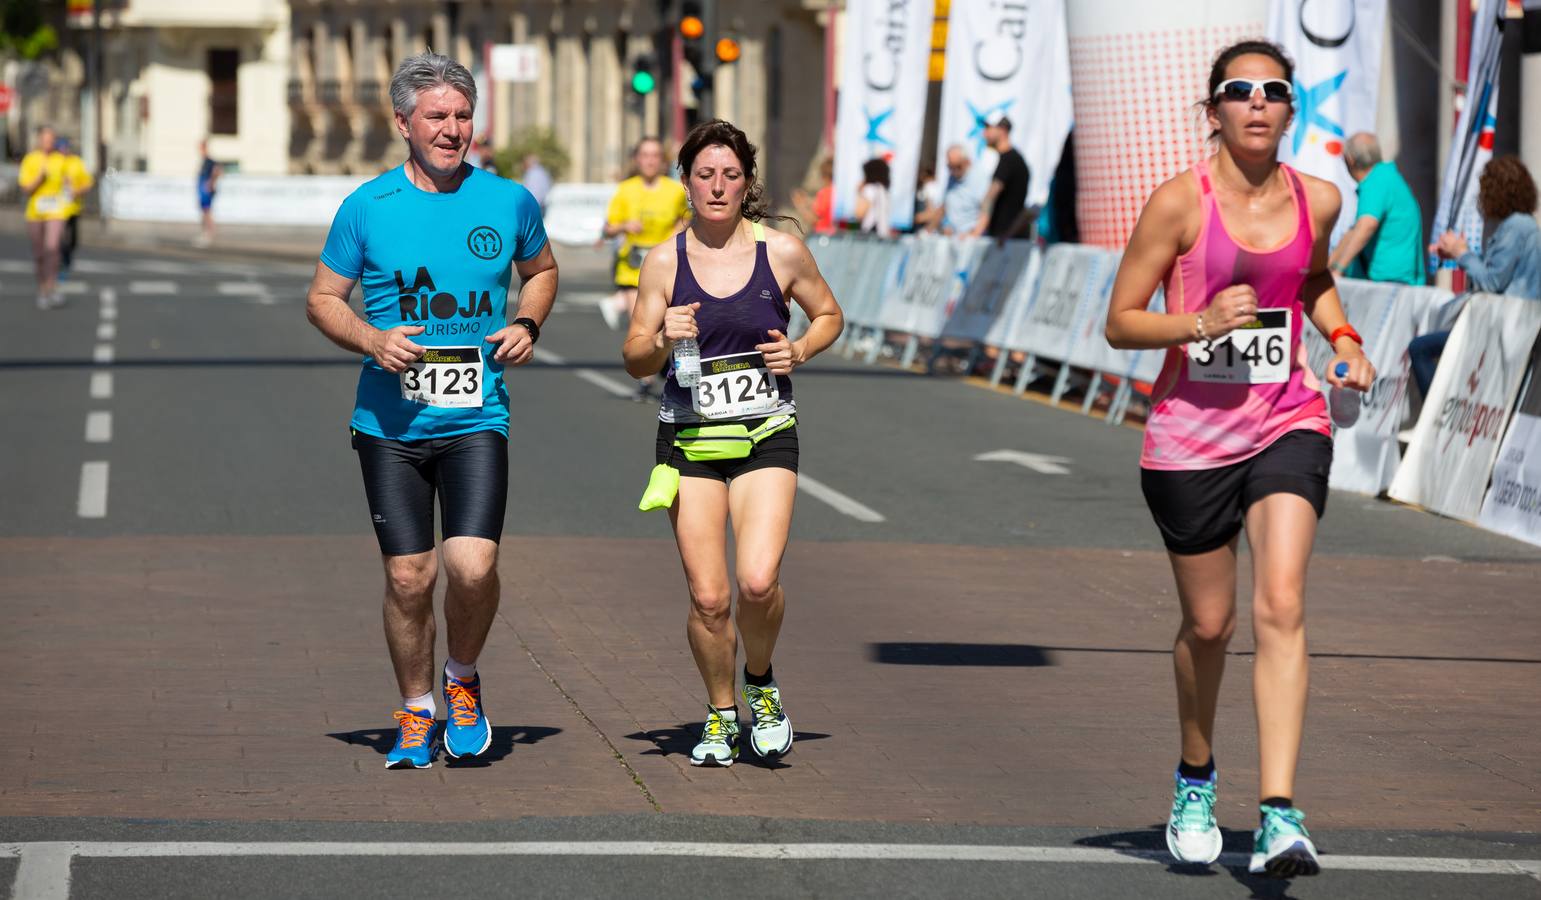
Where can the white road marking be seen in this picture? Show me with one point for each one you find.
(241, 288)
(106, 331)
(1038, 462)
(162, 267)
(91, 505)
(98, 427)
(592, 376)
(101, 385)
(45, 864)
(818, 490)
(109, 313)
(74, 287)
(152, 287)
(102, 355)
(16, 267)
(97, 267)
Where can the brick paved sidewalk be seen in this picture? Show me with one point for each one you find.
(246, 678)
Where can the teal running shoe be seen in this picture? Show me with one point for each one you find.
(719, 741)
(414, 740)
(1281, 848)
(466, 729)
(1192, 835)
(770, 734)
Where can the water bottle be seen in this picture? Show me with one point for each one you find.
(687, 363)
(1344, 402)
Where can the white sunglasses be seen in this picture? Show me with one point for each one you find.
(1275, 90)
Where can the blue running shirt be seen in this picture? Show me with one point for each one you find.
(442, 261)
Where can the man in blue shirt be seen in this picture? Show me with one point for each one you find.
(1385, 242)
(434, 243)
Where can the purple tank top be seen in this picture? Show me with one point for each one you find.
(729, 325)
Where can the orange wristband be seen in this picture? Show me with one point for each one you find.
(1342, 331)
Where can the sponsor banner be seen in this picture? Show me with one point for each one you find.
(1388, 316)
(1067, 290)
(1473, 145)
(242, 199)
(927, 280)
(1457, 437)
(1160, 51)
(992, 284)
(1513, 502)
(1014, 59)
(882, 110)
(1018, 300)
(1337, 53)
(1091, 349)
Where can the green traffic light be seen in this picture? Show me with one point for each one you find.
(643, 82)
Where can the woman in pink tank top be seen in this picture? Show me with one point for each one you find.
(1238, 434)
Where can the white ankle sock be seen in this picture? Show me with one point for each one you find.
(458, 670)
(424, 702)
(731, 713)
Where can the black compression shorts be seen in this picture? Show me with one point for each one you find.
(468, 472)
(1201, 510)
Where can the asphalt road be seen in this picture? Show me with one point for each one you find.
(178, 401)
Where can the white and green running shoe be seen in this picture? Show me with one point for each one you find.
(771, 732)
(1192, 835)
(719, 741)
(1281, 848)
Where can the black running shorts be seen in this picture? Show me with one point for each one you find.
(1201, 510)
(779, 451)
(468, 472)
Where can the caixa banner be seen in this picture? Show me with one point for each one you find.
(1456, 442)
(1513, 502)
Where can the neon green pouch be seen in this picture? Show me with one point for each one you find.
(710, 443)
(662, 487)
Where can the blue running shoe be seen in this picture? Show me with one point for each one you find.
(414, 740)
(1192, 835)
(466, 729)
(1281, 848)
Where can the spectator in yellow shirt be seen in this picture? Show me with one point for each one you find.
(647, 210)
(77, 181)
(42, 180)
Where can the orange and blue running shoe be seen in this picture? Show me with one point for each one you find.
(414, 740)
(466, 729)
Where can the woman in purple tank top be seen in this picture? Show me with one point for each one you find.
(724, 282)
(1238, 434)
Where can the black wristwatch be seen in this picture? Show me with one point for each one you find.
(530, 326)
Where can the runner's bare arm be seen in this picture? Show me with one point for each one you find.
(326, 306)
(646, 348)
(538, 278)
(1319, 295)
(806, 286)
(1167, 225)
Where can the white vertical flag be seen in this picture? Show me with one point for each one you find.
(1014, 59)
(882, 110)
(1473, 145)
(1337, 53)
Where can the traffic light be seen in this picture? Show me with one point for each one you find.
(643, 77)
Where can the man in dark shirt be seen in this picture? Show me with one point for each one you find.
(1004, 213)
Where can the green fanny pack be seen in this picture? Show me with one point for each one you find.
(706, 443)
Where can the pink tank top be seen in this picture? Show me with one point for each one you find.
(1199, 423)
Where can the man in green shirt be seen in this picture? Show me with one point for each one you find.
(1386, 240)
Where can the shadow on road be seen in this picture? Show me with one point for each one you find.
(681, 739)
(1153, 840)
(504, 737)
(937, 653)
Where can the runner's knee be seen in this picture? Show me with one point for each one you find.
(1278, 608)
(712, 605)
(409, 578)
(757, 587)
(1212, 628)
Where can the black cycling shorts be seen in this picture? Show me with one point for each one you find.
(1201, 510)
(469, 472)
(779, 451)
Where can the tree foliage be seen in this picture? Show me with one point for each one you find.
(24, 31)
(543, 143)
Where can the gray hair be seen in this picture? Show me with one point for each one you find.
(1362, 150)
(424, 71)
